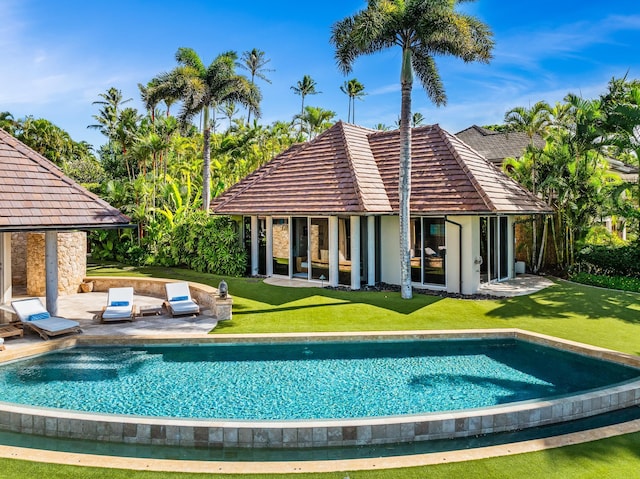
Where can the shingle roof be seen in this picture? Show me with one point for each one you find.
(495, 146)
(36, 195)
(353, 170)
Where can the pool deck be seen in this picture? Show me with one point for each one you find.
(85, 307)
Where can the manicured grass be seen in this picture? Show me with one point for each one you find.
(576, 312)
(566, 310)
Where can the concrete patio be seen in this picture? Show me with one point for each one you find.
(85, 308)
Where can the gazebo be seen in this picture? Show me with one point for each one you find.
(39, 201)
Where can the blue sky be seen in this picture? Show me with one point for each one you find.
(56, 57)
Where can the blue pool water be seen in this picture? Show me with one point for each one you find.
(302, 381)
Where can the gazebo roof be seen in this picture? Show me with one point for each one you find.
(35, 195)
(353, 170)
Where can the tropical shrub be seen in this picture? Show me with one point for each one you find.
(621, 283)
(608, 261)
(208, 244)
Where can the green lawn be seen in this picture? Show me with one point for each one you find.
(576, 312)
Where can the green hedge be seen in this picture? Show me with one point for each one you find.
(609, 261)
(621, 283)
(208, 244)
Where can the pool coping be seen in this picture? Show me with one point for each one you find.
(321, 433)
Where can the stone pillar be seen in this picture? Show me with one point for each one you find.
(19, 260)
(5, 268)
(51, 270)
(334, 253)
(355, 252)
(72, 262)
(255, 244)
(371, 250)
(269, 246)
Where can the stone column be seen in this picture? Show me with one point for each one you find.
(269, 246)
(355, 252)
(255, 244)
(334, 253)
(371, 250)
(51, 271)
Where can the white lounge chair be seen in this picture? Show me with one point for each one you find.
(35, 316)
(179, 301)
(119, 305)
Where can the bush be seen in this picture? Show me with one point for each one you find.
(610, 282)
(608, 261)
(209, 244)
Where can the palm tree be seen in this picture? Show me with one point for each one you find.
(255, 62)
(316, 119)
(107, 117)
(306, 86)
(532, 121)
(354, 89)
(201, 89)
(423, 29)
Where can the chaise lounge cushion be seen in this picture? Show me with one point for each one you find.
(179, 299)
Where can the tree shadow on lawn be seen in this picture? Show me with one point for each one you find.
(611, 451)
(564, 300)
(281, 299)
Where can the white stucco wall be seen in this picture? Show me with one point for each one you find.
(470, 251)
(390, 249)
(390, 260)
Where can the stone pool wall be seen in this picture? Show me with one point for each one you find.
(327, 433)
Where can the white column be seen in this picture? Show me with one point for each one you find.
(371, 250)
(255, 243)
(51, 271)
(355, 252)
(5, 268)
(334, 257)
(269, 255)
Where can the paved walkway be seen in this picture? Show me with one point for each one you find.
(519, 286)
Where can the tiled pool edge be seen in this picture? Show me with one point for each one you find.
(325, 433)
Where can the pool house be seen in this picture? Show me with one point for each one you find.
(44, 217)
(327, 211)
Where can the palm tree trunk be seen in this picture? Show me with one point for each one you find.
(543, 243)
(404, 180)
(206, 167)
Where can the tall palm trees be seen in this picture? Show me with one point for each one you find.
(423, 29)
(316, 119)
(353, 89)
(533, 122)
(255, 62)
(201, 89)
(304, 87)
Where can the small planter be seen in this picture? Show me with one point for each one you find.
(86, 287)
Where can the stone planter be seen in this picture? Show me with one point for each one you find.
(86, 287)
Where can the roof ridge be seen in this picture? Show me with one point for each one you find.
(349, 153)
(365, 172)
(446, 137)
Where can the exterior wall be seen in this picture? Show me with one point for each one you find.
(390, 250)
(19, 259)
(72, 262)
(281, 240)
(454, 261)
(470, 252)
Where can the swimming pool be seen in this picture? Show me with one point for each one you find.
(553, 391)
(322, 380)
